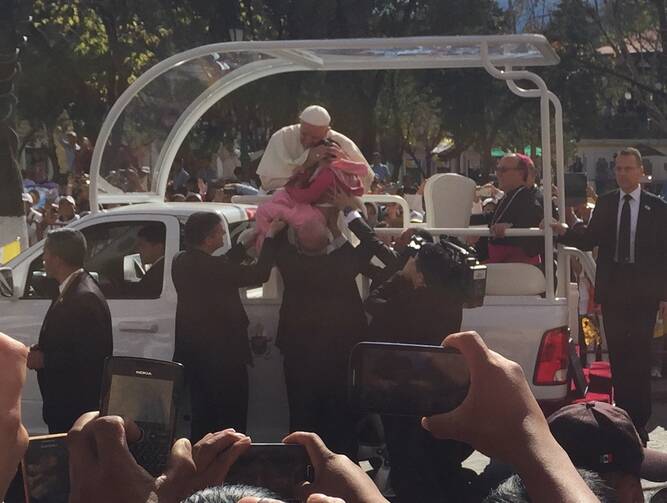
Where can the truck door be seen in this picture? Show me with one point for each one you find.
(143, 322)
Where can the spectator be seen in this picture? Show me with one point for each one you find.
(600, 437)
(372, 214)
(377, 187)
(193, 197)
(489, 206)
(500, 418)
(66, 210)
(83, 157)
(76, 335)
(49, 221)
(233, 494)
(13, 436)
(299, 146)
(381, 170)
(32, 218)
(103, 470)
(69, 143)
(513, 490)
(181, 177)
(211, 322)
(393, 215)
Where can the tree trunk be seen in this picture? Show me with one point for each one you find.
(12, 219)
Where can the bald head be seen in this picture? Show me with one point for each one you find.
(313, 237)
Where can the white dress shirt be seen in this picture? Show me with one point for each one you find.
(634, 215)
(62, 286)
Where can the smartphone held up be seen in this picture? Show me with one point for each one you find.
(406, 379)
(146, 392)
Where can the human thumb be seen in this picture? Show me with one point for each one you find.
(444, 426)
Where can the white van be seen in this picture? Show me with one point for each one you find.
(526, 315)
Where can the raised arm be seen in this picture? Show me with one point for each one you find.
(518, 434)
(253, 274)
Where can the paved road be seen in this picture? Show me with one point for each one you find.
(657, 428)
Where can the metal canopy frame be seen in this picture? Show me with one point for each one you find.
(243, 62)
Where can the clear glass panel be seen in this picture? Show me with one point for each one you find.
(435, 51)
(129, 160)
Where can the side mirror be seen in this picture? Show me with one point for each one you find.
(6, 282)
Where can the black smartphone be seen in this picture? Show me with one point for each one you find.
(406, 379)
(280, 468)
(45, 468)
(575, 188)
(147, 392)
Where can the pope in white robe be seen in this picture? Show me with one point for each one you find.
(298, 146)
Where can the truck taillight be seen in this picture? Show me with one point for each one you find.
(552, 358)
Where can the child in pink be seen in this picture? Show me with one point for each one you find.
(294, 204)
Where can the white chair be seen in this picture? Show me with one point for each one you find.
(448, 198)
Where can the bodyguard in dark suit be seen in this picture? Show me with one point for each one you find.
(212, 325)
(629, 227)
(76, 335)
(321, 319)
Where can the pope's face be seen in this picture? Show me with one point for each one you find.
(312, 135)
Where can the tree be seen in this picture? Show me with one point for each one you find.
(12, 221)
(619, 45)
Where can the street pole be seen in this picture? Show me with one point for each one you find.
(12, 217)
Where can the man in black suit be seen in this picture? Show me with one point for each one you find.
(76, 335)
(629, 227)
(151, 244)
(321, 319)
(211, 323)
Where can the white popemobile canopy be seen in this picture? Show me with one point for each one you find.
(151, 119)
(153, 116)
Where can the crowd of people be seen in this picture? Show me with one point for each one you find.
(314, 176)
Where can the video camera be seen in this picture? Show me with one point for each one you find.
(466, 269)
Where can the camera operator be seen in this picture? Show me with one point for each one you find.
(421, 304)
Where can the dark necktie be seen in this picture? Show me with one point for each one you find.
(624, 231)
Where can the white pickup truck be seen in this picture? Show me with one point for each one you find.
(516, 319)
(526, 313)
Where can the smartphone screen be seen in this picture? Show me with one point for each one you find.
(278, 467)
(143, 399)
(145, 391)
(45, 469)
(407, 380)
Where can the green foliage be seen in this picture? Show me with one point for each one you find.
(82, 55)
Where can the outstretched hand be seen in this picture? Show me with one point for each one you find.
(103, 470)
(275, 227)
(335, 475)
(498, 390)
